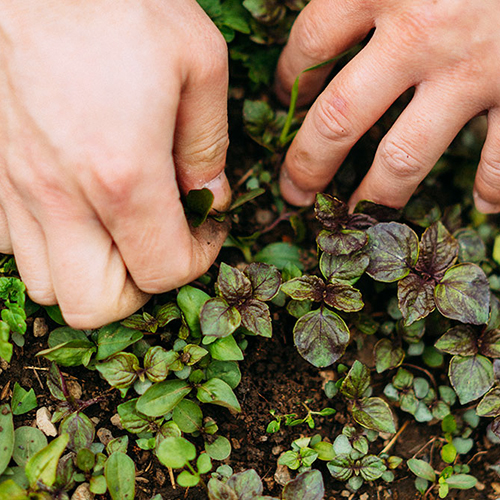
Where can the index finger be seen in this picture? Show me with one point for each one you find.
(323, 30)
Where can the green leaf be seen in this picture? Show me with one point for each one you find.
(321, 337)
(458, 340)
(372, 467)
(193, 353)
(175, 452)
(448, 453)
(471, 376)
(393, 251)
(120, 476)
(247, 484)
(461, 481)
(342, 242)
(256, 318)
(265, 279)
(438, 251)
(228, 371)
(249, 195)
(162, 397)
(80, 429)
(220, 449)
(190, 301)
(6, 436)
(374, 413)
(187, 480)
(218, 318)
(42, 466)
(120, 370)
(489, 406)
(308, 485)
(357, 381)
(415, 297)
(204, 463)
(197, 205)
(217, 392)
(133, 420)
(304, 288)
(280, 254)
(403, 379)
(157, 362)
(114, 338)
(188, 416)
(72, 353)
(15, 317)
(27, 442)
(387, 356)
(464, 294)
(343, 297)
(225, 349)
(9, 489)
(422, 469)
(345, 269)
(23, 401)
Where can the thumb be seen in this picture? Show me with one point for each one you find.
(201, 139)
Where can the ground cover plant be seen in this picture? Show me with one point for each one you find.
(324, 355)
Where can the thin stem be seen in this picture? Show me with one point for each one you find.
(391, 443)
(285, 136)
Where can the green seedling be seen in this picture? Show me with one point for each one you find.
(292, 420)
(13, 314)
(22, 401)
(448, 478)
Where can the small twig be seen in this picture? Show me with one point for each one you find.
(477, 454)
(391, 443)
(41, 368)
(424, 447)
(245, 176)
(38, 378)
(172, 478)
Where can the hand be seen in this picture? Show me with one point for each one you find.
(449, 50)
(107, 114)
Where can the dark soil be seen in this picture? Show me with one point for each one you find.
(274, 377)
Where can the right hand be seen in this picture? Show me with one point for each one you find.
(108, 113)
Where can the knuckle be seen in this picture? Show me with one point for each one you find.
(310, 39)
(398, 160)
(331, 121)
(116, 180)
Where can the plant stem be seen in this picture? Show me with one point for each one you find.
(391, 443)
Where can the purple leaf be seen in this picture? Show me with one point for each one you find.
(464, 294)
(305, 288)
(321, 337)
(218, 318)
(233, 285)
(438, 251)
(343, 297)
(265, 279)
(393, 251)
(415, 297)
(459, 340)
(255, 317)
(341, 242)
(470, 376)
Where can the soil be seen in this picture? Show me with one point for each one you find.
(274, 377)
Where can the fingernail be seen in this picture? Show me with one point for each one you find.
(293, 193)
(221, 190)
(485, 206)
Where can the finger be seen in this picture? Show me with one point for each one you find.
(201, 136)
(487, 184)
(5, 243)
(82, 252)
(348, 107)
(30, 249)
(323, 30)
(414, 144)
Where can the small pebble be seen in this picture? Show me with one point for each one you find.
(83, 493)
(115, 420)
(43, 422)
(40, 327)
(104, 435)
(74, 388)
(282, 475)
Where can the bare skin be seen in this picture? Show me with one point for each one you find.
(447, 49)
(107, 115)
